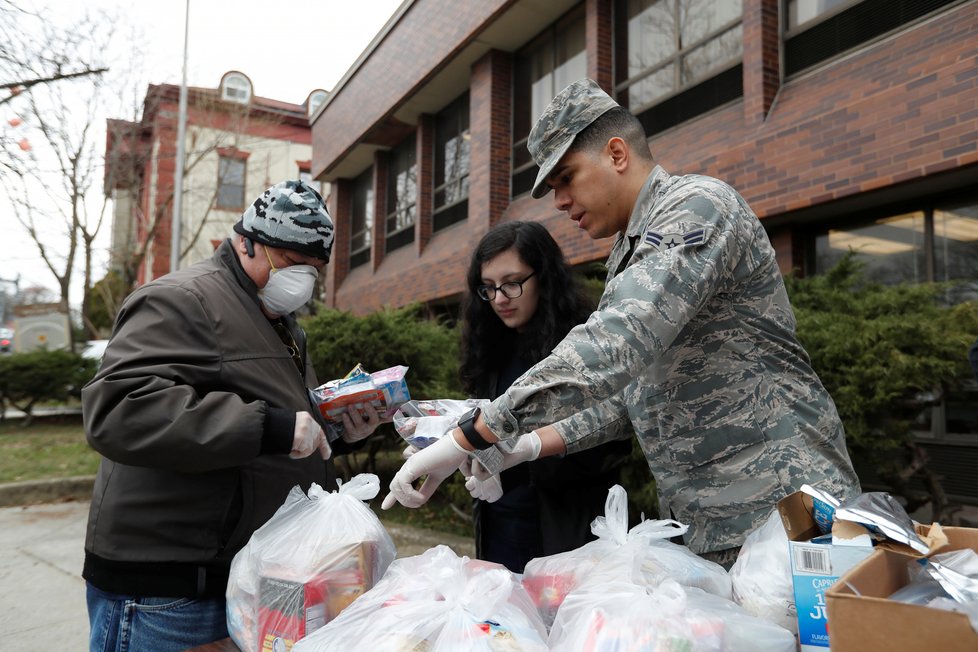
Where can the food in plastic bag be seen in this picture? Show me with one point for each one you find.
(421, 423)
(436, 602)
(641, 556)
(385, 390)
(621, 616)
(312, 558)
(761, 576)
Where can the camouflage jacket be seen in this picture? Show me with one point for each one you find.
(694, 339)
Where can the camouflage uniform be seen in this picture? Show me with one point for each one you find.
(694, 339)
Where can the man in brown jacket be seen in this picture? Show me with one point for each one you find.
(202, 415)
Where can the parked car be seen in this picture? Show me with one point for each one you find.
(6, 340)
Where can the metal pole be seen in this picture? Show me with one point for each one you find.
(175, 239)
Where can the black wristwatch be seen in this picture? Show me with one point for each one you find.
(467, 425)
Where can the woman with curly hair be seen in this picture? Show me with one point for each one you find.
(522, 300)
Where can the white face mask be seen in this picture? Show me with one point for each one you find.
(287, 289)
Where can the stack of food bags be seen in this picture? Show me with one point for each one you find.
(436, 602)
(315, 556)
(642, 555)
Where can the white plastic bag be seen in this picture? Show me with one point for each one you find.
(641, 556)
(622, 616)
(436, 602)
(761, 576)
(312, 558)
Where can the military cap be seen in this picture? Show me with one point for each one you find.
(290, 215)
(567, 115)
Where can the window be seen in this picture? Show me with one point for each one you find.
(553, 60)
(932, 244)
(402, 194)
(452, 142)
(316, 99)
(676, 59)
(235, 87)
(231, 182)
(362, 218)
(817, 30)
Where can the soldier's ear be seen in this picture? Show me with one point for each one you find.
(618, 150)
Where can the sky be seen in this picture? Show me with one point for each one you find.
(286, 47)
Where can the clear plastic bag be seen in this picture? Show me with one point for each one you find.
(436, 602)
(312, 558)
(641, 556)
(623, 617)
(761, 576)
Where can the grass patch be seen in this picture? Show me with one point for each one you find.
(56, 448)
(48, 449)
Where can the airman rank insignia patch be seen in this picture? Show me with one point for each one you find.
(661, 241)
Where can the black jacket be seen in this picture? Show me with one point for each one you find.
(193, 412)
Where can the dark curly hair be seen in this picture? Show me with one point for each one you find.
(486, 341)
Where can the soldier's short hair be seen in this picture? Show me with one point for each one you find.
(617, 121)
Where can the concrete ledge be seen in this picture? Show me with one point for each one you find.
(33, 492)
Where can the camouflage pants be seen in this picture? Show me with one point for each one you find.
(725, 557)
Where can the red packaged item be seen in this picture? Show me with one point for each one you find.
(308, 563)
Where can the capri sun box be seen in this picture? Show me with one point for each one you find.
(817, 563)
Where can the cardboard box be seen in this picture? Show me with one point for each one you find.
(863, 620)
(814, 568)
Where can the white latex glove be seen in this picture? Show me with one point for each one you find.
(308, 437)
(409, 451)
(489, 490)
(527, 449)
(355, 426)
(437, 461)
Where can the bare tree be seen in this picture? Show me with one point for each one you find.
(35, 54)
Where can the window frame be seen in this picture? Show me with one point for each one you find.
(363, 183)
(446, 214)
(226, 158)
(675, 59)
(236, 82)
(406, 153)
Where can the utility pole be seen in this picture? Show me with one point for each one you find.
(175, 235)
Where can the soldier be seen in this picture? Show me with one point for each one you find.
(694, 340)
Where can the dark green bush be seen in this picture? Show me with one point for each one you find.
(883, 352)
(27, 379)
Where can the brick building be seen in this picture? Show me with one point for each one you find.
(236, 144)
(844, 123)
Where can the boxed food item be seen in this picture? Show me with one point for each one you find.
(385, 390)
(821, 549)
(290, 607)
(863, 619)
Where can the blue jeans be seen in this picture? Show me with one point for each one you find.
(123, 623)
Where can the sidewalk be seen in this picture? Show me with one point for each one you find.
(42, 604)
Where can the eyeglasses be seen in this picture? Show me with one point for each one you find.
(510, 289)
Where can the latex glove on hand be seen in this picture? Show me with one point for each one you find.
(357, 427)
(437, 461)
(489, 490)
(308, 437)
(527, 449)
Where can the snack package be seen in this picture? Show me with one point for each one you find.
(640, 556)
(625, 617)
(312, 558)
(436, 602)
(385, 390)
(883, 516)
(421, 423)
(761, 576)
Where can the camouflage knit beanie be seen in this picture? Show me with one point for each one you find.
(289, 215)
